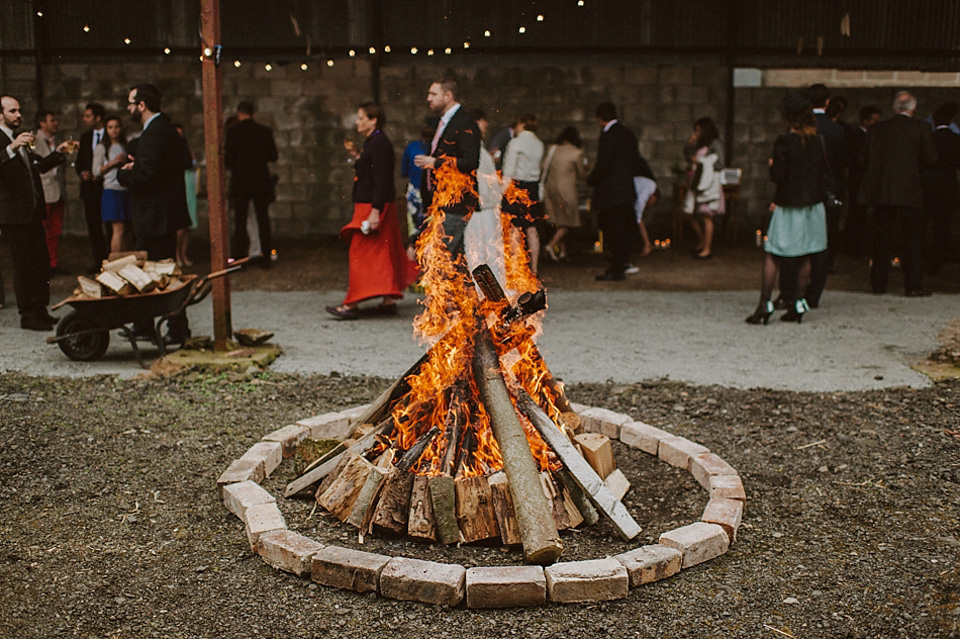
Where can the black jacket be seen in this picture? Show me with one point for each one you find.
(94, 187)
(798, 170)
(158, 194)
(21, 193)
(940, 180)
(900, 150)
(374, 180)
(618, 160)
(248, 149)
(459, 144)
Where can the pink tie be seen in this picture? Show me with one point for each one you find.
(436, 136)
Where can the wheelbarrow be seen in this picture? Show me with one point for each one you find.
(83, 334)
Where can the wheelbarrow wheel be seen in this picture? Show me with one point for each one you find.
(88, 347)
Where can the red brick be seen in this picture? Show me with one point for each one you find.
(289, 437)
(267, 455)
(699, 542)
(642, 436)
(677, 451)
(242, 495)
(603, 421)
(727, 513)
(240, 470)
(706, 465)
(729, 486)
(260, 519)
(590, 580)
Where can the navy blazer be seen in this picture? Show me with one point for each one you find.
(158, 193)
(618, 160)
(21, 192)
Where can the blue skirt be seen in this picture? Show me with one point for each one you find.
(115, 206)
(794, 232)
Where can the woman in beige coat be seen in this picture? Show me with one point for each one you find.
(563, 167)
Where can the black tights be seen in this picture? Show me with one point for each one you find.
(768, 275)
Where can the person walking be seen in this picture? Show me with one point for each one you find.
(704, 199)
(563, 168)
(521, 170)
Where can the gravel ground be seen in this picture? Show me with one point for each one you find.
(110, 526)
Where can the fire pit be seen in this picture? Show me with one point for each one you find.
(477, 440)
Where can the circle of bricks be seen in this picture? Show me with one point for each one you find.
(493, 586)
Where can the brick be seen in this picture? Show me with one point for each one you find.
(642, 436)
(242, 495)
(288, 551)
(699, 542)
(354, 413)
(706, 465)
(728, 486)
(267, 454)
(327, 426)
(590, 580)
(240, 470)
(424, 581)
(506, 587)
(677, 451)
(260, 519)
(727, 513)
(650, 563)
(579, 408)
(348, 569)
(603, 421)
(676, 75)
(288, 437)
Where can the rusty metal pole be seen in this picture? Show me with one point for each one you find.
(213, 151)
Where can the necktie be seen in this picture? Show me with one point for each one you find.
(433, 148)
(96, 138)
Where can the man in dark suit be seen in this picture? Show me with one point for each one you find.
(22, 209)
(456, 143)
(248, 149)
(900, 149)
(614, 194)
(158, 194)
(855, 233)
(940, 186)
(91, 186)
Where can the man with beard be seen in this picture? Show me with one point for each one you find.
(456, 143)
(158, 194)
(91, 186)
(22, 209)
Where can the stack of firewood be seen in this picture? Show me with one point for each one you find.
(129, 274)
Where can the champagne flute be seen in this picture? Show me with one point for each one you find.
(72, 147)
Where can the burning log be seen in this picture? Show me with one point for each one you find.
(475, 514)
(503, 508)
(411, 457)
(393, 509)
(541, 541)
(443, 497)
(421, 510)
(580, 470)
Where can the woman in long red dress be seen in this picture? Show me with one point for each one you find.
(379, 266)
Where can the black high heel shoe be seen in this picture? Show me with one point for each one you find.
(795, 313)
(762, 314)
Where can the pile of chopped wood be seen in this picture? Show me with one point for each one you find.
(129, 274)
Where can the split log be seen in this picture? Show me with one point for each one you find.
(580, 470)
(571, 421)
(135, 275)
(618, 484)
(579, 498)
(503, 508)
(342, 461)
(541, 541)
(552, 493)
(115, 283)
(325, 465)
(475, 514)
(443, 497)
(573, 513)
(90, 288)
(343, 491)
(412, 456)
(393, 509)
(385, 460)
(139, 257)
(598, 452)
(114, 265)
(364, 506)
(420, 519)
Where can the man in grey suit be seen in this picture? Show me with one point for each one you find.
(22, 209)
(899, 150)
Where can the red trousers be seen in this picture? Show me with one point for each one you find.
(53, 224)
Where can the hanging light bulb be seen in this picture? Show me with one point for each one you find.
(429, 51)
(268, 67)
(236, 63)
(39, 14)
(540, 18)
(522, 30)
(372, 50)
(303, 67)
(126, 40)
(448, 50)
(166, 50)
(352, 53)
(466, 45)
(386, 49)
(486, 34)
(207, 51)
(580, 3)
(86, 28)
(329, 63)
(413, 50)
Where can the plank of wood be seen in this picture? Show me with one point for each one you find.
(503, 508)
(115, 283)
(343, 491)
(475, 515)
(364, 507)
(443, 497)
(582, 473)
(325, 465)
(598, 452)
(393, 509)
(90, 288)
(135, 275)
(541, 541)
(420, 519)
